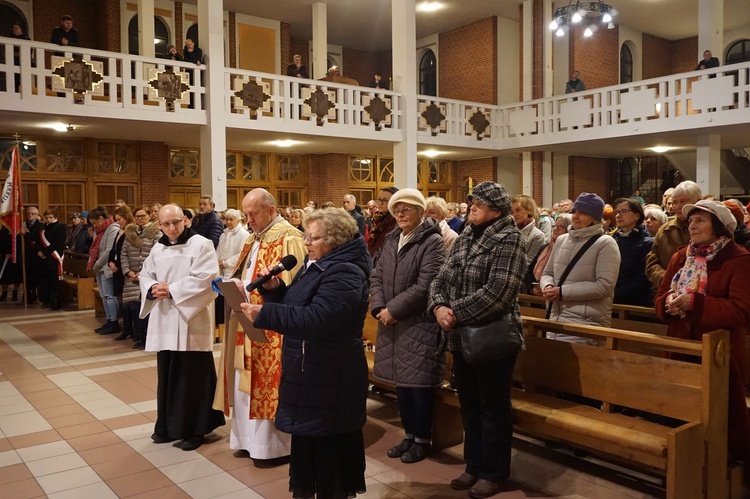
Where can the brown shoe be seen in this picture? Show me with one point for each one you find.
(464, 482)
(483, 488)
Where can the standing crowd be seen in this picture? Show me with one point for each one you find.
(423, 268)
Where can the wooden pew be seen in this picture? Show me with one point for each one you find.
(447, 428)
(692, 456)
(77, 282)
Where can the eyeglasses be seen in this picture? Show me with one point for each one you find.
(310, 239)
(145, 215)
(382, 200)
(173, 223)
(623, 212)
(403, 211)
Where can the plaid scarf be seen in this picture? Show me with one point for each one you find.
(693, 276)
(382, 224)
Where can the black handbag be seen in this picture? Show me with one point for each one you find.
(490, 342)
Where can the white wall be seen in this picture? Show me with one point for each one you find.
(509, 173)
(507, 61)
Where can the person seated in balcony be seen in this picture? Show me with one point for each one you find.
(708, 61)
(173, 54)
(17, 33)
(65, 34)
(191, 52)
(575, 84)
(296, 68)
(378, 82)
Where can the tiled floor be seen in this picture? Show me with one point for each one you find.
(77, 410)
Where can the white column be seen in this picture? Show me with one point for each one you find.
(549, 80)
(711, 27)
(213, 136)
(146, 32)
(708, 164)
(404, 37)
(528, 50)
(560, 178)
(320, 40)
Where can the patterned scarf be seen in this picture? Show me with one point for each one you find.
(382, 224)
(693, 276)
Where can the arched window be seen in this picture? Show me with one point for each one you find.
(9, 14)
(161, 36)
(428, 74)
(626, 64)
(192, 33)
(738, 52)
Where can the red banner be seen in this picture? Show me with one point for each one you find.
(10, 202)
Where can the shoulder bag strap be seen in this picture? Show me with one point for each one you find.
(572, 264)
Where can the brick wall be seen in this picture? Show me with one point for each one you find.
(538, 50)
(327, 177)
(47, 17)
(233, 39)
(179, 42)
(588, 175)
(596, 57)
(537, 177)
(107, 35)
(684, 55)
(154, 163)
(480, 170)
(468, 62)
(360, 65)
(656, 57)
(286, 47)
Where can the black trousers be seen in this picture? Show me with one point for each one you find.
(132, 323)
(185, 393)
(415, 406)
(484, 394)
(49, 286)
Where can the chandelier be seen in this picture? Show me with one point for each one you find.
(581, 12)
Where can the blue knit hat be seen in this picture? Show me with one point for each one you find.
(590, 204)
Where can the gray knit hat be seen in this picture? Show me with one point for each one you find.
(493, 195)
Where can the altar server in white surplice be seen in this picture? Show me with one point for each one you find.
(176, 289)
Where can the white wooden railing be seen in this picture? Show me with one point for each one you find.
(262, 101)
(288, 104)
(28, 83)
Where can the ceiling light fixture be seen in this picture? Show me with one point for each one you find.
(661, 149)
(429, 6)
(431, 153)
(285, 143)
(576, 12)
(61, 127)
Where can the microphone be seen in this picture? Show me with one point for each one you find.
(286, 263)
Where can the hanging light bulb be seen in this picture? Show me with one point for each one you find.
(587, 32)
(553, 25)
(560, 32)
(606, 18)
(576, 17)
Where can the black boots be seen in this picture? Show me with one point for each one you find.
(110, 327)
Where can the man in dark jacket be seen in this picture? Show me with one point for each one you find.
(51, 252)
(350, 205)
(207, 223)
(31, 231)
(65, 34)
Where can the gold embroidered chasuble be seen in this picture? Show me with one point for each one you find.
(259, 363)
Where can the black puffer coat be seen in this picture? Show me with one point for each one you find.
(323, 389)
(410, 353)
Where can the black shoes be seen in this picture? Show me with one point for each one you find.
(483, 488)
(110, 327)
(158, 439)
(464, 482)
(124, 335)
(271, 463)
(400, 449)
(139, 345)
(191, 443)
(417, 452)
(241, 453)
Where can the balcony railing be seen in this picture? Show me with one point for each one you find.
(714, 97)
(39, 77)
(281, 103)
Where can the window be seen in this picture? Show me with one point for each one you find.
(9, 14)
(115, 157)
(428, 74)
(738, 52)
(161, 36)
(361, 169)
(184, 164)
(626, 64)
(27, 154)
